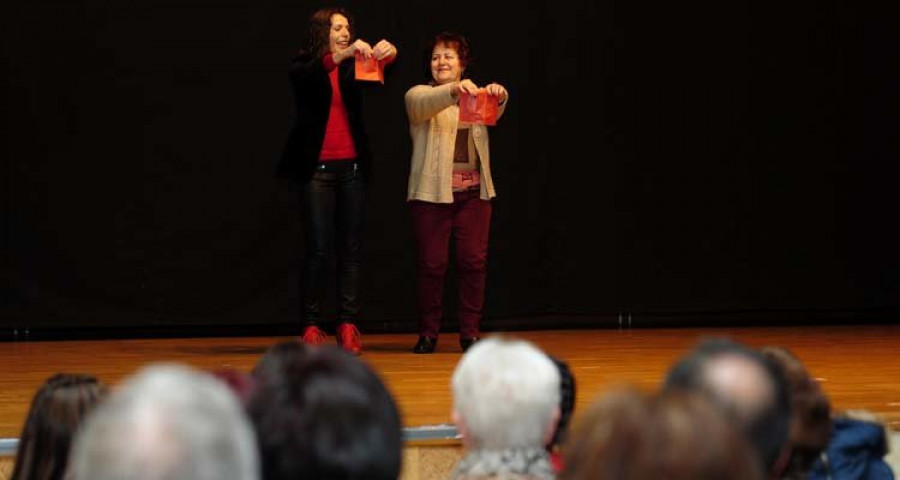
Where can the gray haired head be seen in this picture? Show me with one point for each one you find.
(506, 395)
(167, 422)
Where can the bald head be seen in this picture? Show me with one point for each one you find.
(745, 385)
(739, 383)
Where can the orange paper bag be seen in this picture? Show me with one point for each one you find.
(369, 69)
(480, 109)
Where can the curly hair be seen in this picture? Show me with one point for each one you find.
(320, 27)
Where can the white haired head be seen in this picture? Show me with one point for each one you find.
(167, 422)
(505, 395)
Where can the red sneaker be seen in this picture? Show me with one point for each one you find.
(313, 335)
(349, 339)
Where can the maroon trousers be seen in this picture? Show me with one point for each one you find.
(468, 220)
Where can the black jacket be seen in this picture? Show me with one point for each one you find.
(312, 99)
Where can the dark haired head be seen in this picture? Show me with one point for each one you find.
(56, 411)
(566, 400)
(748, 386)
(811, 423)
(326, 415)
(452, 40)
(320, 27)
(273, 361)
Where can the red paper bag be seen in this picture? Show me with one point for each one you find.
(480, 109)
(369, 69)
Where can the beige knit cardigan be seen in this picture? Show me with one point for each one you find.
(433, 118)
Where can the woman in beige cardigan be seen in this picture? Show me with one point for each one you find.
(450, 190)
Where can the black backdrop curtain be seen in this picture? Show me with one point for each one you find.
(657, 157)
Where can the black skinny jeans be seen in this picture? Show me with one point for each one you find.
(333, 201)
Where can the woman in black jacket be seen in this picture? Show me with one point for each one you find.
(328, 155)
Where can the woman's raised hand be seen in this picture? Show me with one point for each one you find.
(360, 47)
(384, 49)
(497, 90)
(468, 86)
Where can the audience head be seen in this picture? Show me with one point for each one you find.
(811, 425)
(628, 435)
(566, 400)
(749, 387)
(57, 409)
(167, 422)
(506, 395)
(322, 413)
(273, 361)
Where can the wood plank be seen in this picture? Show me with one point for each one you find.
(858, 365)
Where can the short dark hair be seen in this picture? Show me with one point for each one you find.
(320, 27)
(767, 428)
(274, 359)
(811, 423)
(326, 415)
(57, 409)
(566, 400)
(452, 40)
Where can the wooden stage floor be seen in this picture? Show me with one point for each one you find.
(859, 366)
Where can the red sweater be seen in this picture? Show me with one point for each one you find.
(338, 142)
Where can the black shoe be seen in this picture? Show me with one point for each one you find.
(465, 343)
(425, 345)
